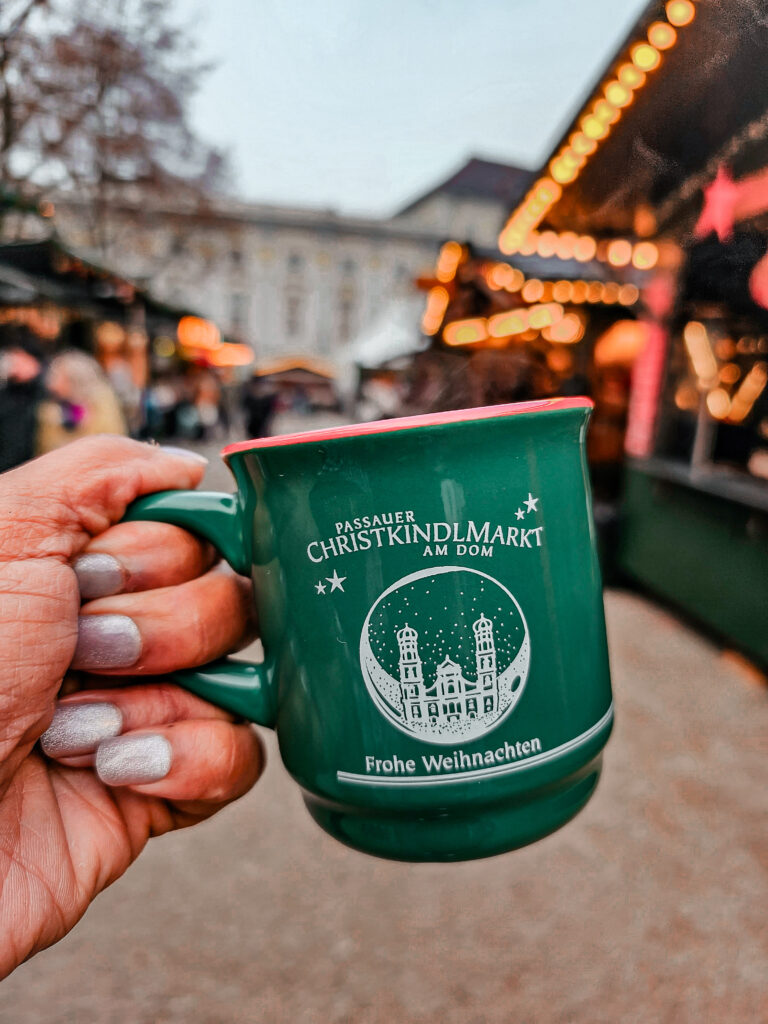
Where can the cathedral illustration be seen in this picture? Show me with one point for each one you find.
(450, 696)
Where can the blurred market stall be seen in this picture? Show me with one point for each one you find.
(635, 269)
(168, 368)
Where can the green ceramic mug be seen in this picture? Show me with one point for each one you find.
(431, 611)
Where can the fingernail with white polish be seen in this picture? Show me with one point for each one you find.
(133, 760)
(79, 728)
(106, 641)
(172, 449)
(98, 575)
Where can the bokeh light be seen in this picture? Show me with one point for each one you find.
(680, 12)
(662, 35)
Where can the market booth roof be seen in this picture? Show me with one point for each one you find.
(683, 116)
(296, 367)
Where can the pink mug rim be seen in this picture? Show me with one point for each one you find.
(433, 419)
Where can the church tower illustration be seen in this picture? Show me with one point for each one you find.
(485, 654)
(450, 697)
(411, 677)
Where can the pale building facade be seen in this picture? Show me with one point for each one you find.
(291, 281)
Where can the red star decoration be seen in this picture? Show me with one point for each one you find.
(717, 214)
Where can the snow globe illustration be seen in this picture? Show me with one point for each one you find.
(445, 653)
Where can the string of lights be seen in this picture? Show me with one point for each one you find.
(595, 124)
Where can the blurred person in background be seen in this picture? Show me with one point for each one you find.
(259, 400)
(207, 401)
(80, 402)
(21, 392)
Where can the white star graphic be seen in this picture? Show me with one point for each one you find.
(519, 514)
(531, 502)
(320, 587)
(336, 581)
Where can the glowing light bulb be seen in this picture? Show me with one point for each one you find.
(605, 112)
(448, 261)
(700, 352)
(662, 35)
(566, 331)
(565, 244)
(532, 290)
(584, 248)
(617, 94)
(546, 244)
(465, 332)
(547, 190)
(628, 295)
(570, 159)
(718, 403)
(645, 255)
(631, 76)
(619, 252)
(562, 173)
(593, 128)
(680, 12)
(581, 144)
(645, 57)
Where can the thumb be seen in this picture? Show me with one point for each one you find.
(52, 505)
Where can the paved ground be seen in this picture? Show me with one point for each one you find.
(649, 907)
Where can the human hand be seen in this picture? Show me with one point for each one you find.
(123, 763)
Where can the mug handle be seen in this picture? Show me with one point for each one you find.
(240, 687)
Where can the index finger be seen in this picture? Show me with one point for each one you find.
(140, 556)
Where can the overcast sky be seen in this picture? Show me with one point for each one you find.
(361, 104)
